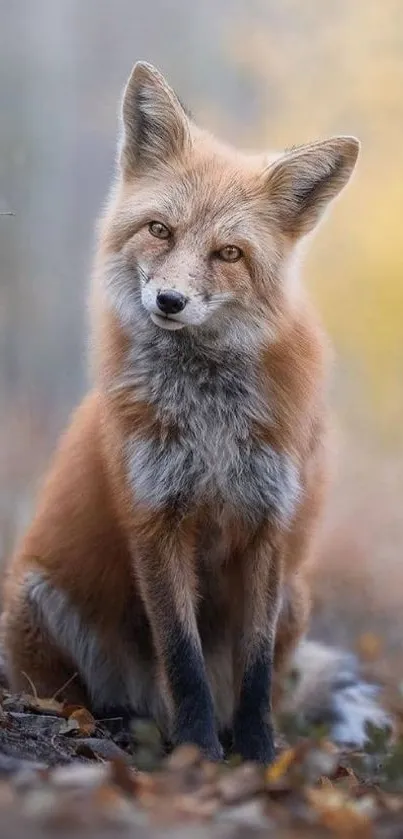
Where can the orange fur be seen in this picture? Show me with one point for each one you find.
(119, 560)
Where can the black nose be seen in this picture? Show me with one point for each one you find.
(171, 302)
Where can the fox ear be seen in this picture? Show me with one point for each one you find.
(307, 178)
(155, 125)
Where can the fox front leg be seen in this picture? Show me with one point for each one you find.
(254, 653)
(166, 577)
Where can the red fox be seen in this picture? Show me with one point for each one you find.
(164, 572)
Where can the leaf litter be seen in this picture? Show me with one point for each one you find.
(63, 771)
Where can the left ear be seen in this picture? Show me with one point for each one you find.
(155, 125)
(303, 182)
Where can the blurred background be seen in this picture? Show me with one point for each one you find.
(261, 73)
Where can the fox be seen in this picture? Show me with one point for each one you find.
(164, 574)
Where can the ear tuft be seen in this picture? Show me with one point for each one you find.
(304, 181)
(155, 125)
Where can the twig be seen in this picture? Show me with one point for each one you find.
(30, 682)
(71, 679)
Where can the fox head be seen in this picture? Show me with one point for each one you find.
(199, 236)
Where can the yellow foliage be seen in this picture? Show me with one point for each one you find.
(323, 68)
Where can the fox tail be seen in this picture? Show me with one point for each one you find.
(328, 688)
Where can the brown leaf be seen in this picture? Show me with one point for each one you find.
(325, 782)
(122, 776)
(79, 722)
(346, 774)
(183, 757)
(344, 816)
(194, 806)
(85, 721)
(44, 706)
(110, 801)
(391, 803)
(240, 783)
(68, 710)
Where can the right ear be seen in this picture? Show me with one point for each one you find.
(155, 125)
(306, 179)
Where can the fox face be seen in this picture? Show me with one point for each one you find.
(198, 252)
(200, 236)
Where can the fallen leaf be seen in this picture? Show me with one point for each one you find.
(45, 706)
(122, 776)
(79, 722)
(324, 781)
(183, 757)
(68, 710)
(319, 762)
(240, 783)
(341, 814)
(108, 797)
(70, 726)
(85, 721)
(346, 775)
(195, 807)
(392, 803)
(280, 766)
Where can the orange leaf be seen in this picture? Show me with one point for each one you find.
(68, 710)
(280, 766)
(79, 722)
(85, 721)
(343, 815)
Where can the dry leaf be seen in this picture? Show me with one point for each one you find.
(240, 783)
(70, 726)
(68, 710)
(345, 816)
(122, 776)
(280, 766)
(108, 798)
(325, 782)
(194, 806)
(184, 757)
(80, 721)
(45, 706)
(85, 721)
(346, 774)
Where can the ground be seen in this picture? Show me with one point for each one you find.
(62, 772)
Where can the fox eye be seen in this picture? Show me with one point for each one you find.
(159, 230)
(230, 253)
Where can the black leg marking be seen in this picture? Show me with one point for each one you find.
(227, 741)
(194, 711)
(253, 731)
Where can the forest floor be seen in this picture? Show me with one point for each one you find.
(64, 773)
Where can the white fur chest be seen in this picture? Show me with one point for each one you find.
(211, 400)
